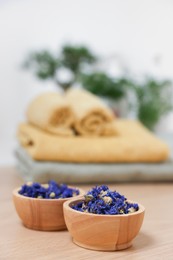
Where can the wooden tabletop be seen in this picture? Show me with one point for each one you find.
(155, 240)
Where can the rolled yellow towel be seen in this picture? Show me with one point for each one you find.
(51, 112)
(92, 116)
(133, 143)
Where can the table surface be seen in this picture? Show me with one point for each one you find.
(155, 240)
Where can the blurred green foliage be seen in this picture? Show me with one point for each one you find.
(74, 57)
(153, 97)
(101, 84)
(43, 63)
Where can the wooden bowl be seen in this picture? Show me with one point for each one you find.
(41, 214)
(102, 232)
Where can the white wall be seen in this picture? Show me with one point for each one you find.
(138, 31)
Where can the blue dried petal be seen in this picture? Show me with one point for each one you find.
(36, 190)
(36, 185)
(63, 187)
(96, 203)
(76, 191)
(103, 187)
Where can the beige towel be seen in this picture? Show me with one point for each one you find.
(133, 143)
(92, 117)
(50, 112)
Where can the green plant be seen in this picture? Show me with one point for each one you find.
(74, 57)
(154, 99)
(99, 83)
(45, 65)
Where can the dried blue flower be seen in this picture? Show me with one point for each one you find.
(101, 200)
(52, 190)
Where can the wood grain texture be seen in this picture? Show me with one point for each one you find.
(155, 240)
(41, 214)
(102, 232)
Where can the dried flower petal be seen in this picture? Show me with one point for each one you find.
(52, 190)
(101, 200)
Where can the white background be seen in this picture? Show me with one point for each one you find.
(140, 32)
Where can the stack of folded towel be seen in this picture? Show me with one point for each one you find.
(78, 130)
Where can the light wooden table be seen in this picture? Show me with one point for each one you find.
(155, 240)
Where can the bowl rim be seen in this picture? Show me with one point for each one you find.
(66, 205)
(16, 194)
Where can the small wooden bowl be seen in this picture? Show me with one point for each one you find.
(41, 214)
(102, 232)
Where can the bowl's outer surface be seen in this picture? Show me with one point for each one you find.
(102, 232)
(41, 214)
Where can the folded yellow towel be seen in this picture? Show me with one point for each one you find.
(133, 143)
(92, 116)
(51, 112)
